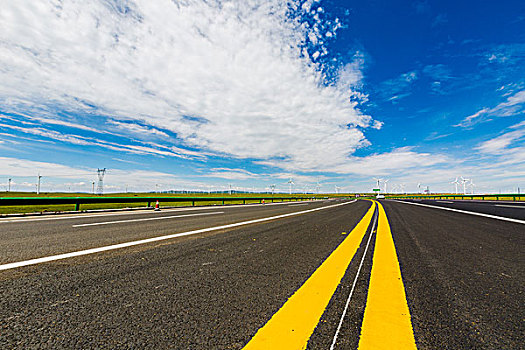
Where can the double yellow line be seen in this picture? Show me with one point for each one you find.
(386, 322)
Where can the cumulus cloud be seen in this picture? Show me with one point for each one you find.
(237, 78)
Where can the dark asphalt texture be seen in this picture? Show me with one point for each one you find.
(213, 292)
(22, 239)
(463, 275)
(508, 209)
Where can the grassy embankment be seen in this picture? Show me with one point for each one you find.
(70, 207)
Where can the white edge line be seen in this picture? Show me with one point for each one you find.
(147, 219)
(510, 206)
(376, 212)
(155, 239)
(466, 212)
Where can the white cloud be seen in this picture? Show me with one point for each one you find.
(137, 129)
(58, 177)
(397, 161)
(512, 106)
(158, 150)
(232, 78)
(22, 167)
(399, 87)
(44, 120)
(500, 144)
(230, 174)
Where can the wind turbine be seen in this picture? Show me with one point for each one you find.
(419, 187)
(471, 186)
(337, 188)
(464, 182)
(318, 186)
(456, 183)
(291, 183)
(385, 182)
(272, 187)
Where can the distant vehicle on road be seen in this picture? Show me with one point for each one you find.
(380, 196)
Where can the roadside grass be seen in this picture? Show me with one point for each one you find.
(23, 209)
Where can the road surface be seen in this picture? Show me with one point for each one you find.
(334, 274)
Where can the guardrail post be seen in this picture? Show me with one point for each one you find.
(223, 202)
(77, 206)
(244, 201)
(192, 203)
(149, 204)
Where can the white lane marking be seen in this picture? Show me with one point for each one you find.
(510, 206)
(156, 239)
(448, 202)
(147, 219)
(355, 280)
(467, 212)
(144, 211)
(297, 205)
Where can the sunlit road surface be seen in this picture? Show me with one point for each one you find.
(326, 275)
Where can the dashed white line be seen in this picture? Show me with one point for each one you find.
(448, 202)
(297, 205)
(147, 219)
(510, 206)
(467, 212)
(156, 239)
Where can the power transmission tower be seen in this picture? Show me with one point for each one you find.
(100, 185)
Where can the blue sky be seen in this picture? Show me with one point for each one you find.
(200, 95)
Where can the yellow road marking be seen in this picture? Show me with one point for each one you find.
(291, 326)
(343, 233)
(386, 322)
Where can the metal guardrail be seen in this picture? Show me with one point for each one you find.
(513, 197)
(77, 201)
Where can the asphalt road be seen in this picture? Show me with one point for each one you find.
(462, 277)
(508, 209)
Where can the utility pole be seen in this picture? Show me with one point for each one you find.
(9, 186)
(38, 186)
(93, 187)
